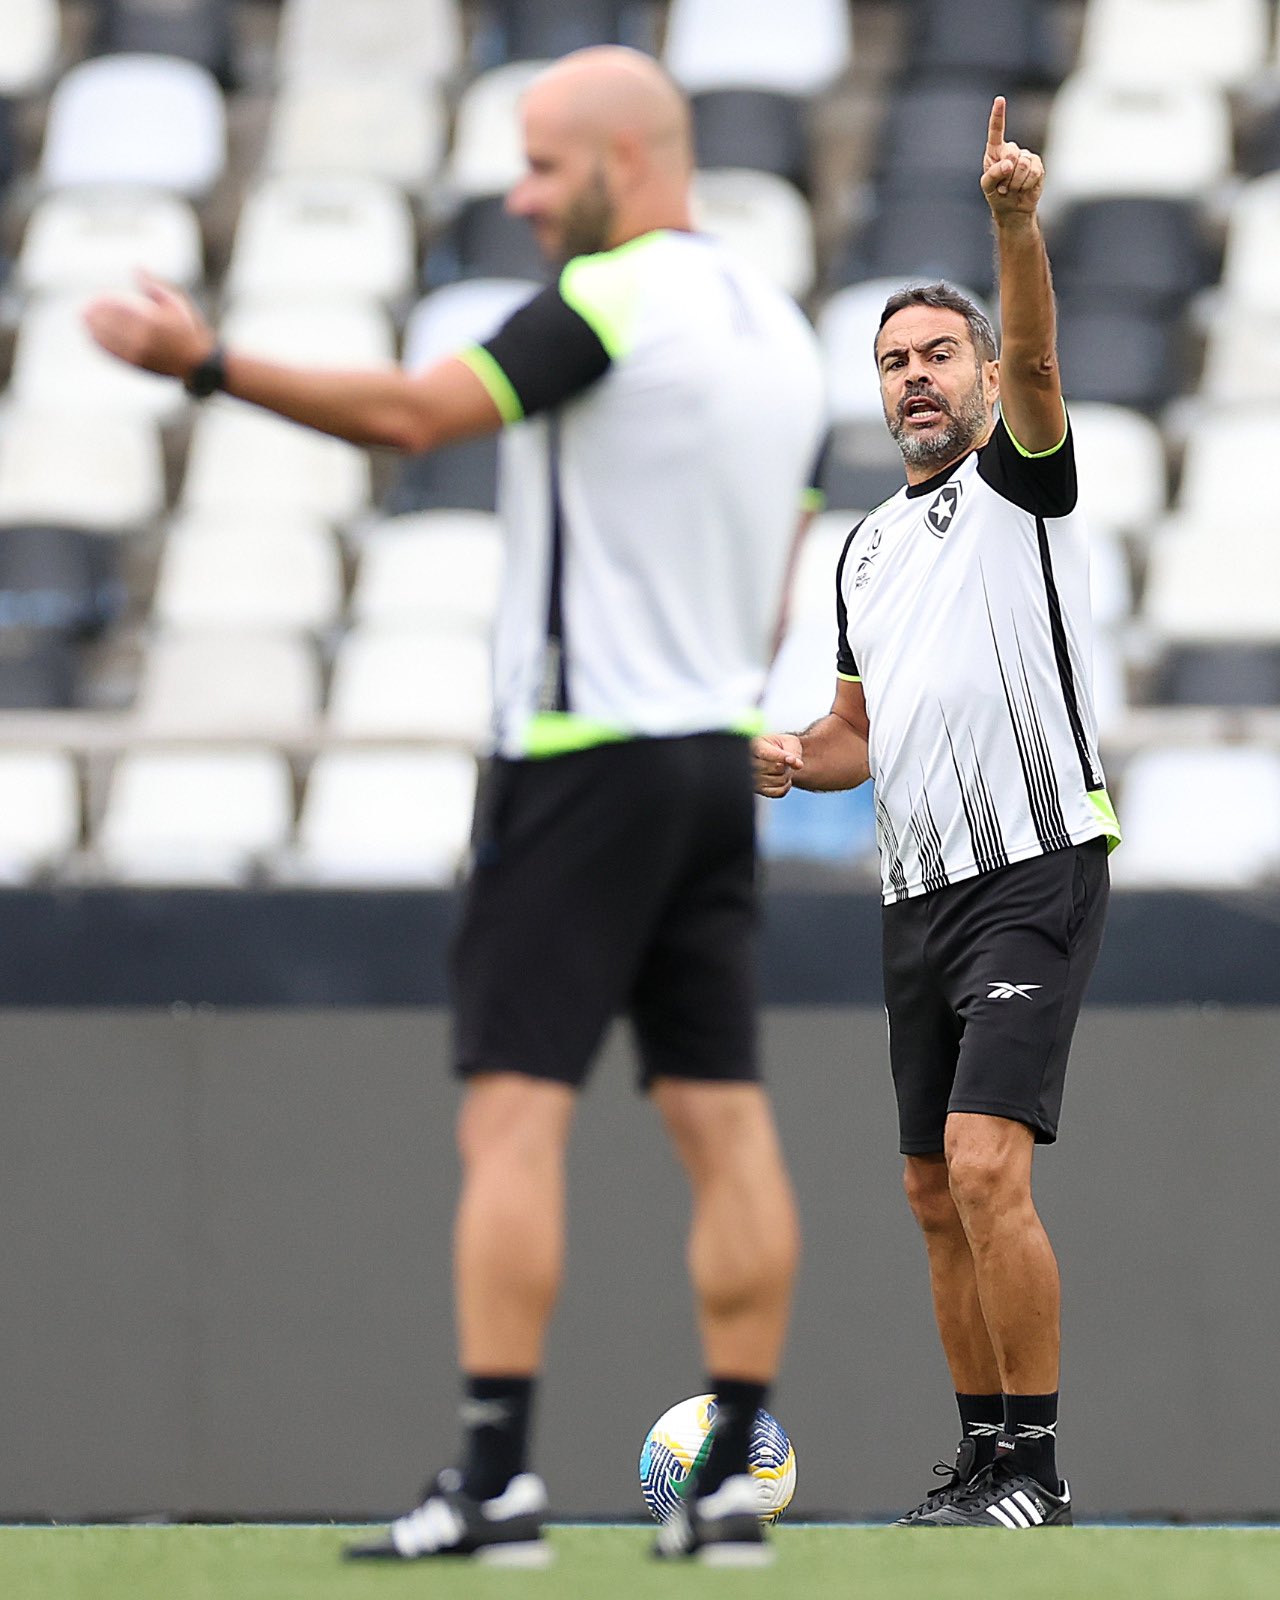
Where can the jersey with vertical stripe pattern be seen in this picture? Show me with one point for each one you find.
(963, 607)
(651, 503)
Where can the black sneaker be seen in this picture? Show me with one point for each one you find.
(958, 1479)
(1003, 1496)
(721, 1529)
(505, 1531)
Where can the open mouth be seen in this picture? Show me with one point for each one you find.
(922, 411)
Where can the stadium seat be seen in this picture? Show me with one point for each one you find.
(1121, 467)
(754, 128)
(1253, 237)
(80, 469)
(800, 48)
(929, 133)
(460, 477)
(1218, 675)
(488, 150)
(60, 580)
(39, 670)
(1015, 44)
(1213, 489)
(834, 830)
(252, 572)
(199, 817)
(382, 818)
(412, 683)
(325, 39)
(149, 121)
(764, 219)
(39, 813)
(1110, 580)
(1123, 357)
(29, 44)
(221, 682)
(56, 364)
(1110, 687)
(862, 466)
(1176, 140)
(9, 155)
(920, 237)
(1234, 792)
(1209, 585)
(193, 30)
(1242, 354)
(460, 314)
(240, 457)
(378, 127)
(98, 239)
(535, 30)
(483, 240)
(813, 585)
(437, 567)
(1132, 250)
(321, 332)
(1221, 43)
(310, 236)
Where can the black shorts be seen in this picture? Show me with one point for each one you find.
(983, 982)
(614, 880)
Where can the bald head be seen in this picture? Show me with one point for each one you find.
(609, 144)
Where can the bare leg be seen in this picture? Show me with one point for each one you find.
(509, 1229)
(989, 1167)
(744, 1238)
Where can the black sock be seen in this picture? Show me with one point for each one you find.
(737, 1402)
(981, 1418)
(1030, 1429)
(495, 1431)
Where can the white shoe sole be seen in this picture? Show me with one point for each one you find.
(537, 1553)
(736, 1555)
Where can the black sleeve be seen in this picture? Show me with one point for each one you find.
(548, 352)
(1044, 485)
(846, 665)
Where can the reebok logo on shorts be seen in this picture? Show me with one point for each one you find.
(1010, 991)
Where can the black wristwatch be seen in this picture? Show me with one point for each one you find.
(207, 376)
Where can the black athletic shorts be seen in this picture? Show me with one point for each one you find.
(614, 880)
(983, 982)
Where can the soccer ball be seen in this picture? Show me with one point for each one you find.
(679, 1440)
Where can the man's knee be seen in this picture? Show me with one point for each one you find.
(506, 1117)
(988, 1166)
(924, 1179)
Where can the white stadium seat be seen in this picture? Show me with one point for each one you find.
(1110, 581)
(376, 818)
(200, 817)
(1213, 488)
(1242, 352)
(268, 573)
(314, 236)
(1176, 140)
(813, 585)
(98, 239)
(488, 148)
(1233, 841)
(761, 217)
(306, 332)
(373, 127)
(39, 812)
(28, 45)
(242, 457)
(227, 683)
(460, 314)
(799, 48)
(416, 39)
(410, 682)
(83, 469)
(1121, 467)
(430, 567)
(151, 121)
(1249, 276)
(1222, 43)
(1208, 585)
(56, 363)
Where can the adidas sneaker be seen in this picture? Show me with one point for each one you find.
(958, 1480)
(1003, 1496)
(505, 1531)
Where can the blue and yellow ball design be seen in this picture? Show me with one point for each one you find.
(679, 1440)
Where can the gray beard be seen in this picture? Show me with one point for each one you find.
(958, 437)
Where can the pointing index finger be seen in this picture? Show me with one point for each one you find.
(995, 128)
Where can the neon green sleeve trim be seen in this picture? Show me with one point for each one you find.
(495, 381)
(605, 292)
(813, 500)
(1039, 455)
(848, 677)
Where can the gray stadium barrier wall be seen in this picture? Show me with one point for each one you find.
(224, 1234)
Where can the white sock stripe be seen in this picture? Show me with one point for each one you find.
(1002, 1517)
(1027, 1504)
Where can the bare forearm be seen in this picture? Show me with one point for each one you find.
(1028, 320)
(366, 407)
(835, 756)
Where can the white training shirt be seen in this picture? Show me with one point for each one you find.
(651, 506)
(963, 607)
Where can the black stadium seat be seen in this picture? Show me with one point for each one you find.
(8, 144)
(1126, 356)
(1013, 40)
(196, 30)
(484, 241)
(930, 134)
(921, 237)
(1129, 250)
(460, 477)
(752, 128)
(39, 671)
(1219, 675)
(62, 580)
(538, 30)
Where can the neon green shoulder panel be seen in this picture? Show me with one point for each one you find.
(605, 291)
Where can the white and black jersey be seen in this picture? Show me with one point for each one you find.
(963, 607)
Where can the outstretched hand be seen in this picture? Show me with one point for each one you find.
(157, 329)
(1012, 178)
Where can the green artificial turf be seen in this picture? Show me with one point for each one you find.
(602, 1563)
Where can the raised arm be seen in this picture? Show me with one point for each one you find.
(1030, 383)
(161, 331)
(830, 754)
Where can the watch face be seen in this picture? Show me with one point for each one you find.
(206, 378)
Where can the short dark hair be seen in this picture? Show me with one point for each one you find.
(944, 297)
